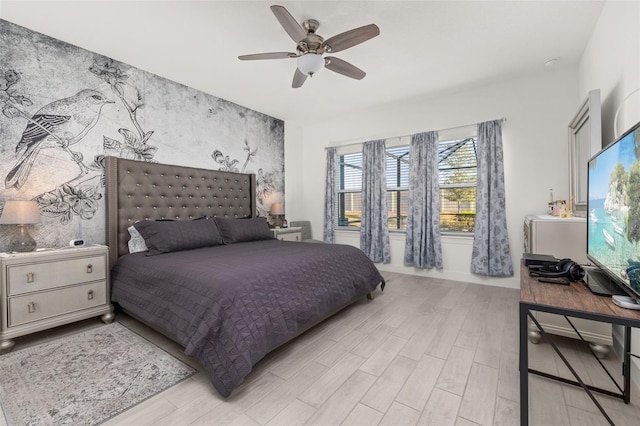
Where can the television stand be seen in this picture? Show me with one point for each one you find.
(626, 302)
(574, 300)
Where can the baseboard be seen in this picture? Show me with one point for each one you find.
(467, 277)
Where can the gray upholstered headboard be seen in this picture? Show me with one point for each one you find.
(137, 190)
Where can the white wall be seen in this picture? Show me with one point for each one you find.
(293, 170)
(611, 63)
(538, 109)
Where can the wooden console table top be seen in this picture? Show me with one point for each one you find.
(575, 298)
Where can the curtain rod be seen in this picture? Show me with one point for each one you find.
(361, 141)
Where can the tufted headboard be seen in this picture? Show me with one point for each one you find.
(137, 190)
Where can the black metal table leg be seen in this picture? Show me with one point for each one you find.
(524, 367)
(626, 366)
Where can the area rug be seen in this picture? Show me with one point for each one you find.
(86, 378)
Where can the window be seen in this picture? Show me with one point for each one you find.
(397, 166)
(457, 179)
(349, 197)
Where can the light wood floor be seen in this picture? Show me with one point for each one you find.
(425, 351)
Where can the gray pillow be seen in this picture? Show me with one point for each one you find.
(176, 235)
(241, 230)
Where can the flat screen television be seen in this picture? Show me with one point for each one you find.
(613, 202)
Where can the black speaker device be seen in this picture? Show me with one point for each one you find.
(535, 259)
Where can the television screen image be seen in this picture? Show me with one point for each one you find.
(613, 224)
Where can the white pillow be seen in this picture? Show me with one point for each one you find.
(136, 242)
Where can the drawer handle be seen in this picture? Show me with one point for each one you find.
(90, 294)
(30, 277)
(297, 238)
(31, 307)
(89, 268)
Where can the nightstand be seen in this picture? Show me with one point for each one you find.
(291, 233)
(45, 289)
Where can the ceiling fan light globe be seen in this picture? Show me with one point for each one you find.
(310, 63)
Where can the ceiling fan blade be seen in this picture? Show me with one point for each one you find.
(271, 55)
(288, 22)
(351, 38)
(298, 79)
(344, 68)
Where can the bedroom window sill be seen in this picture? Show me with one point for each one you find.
(448, 235)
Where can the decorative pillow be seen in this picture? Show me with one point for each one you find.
(136, 242)
(167, 236)
(246, 229)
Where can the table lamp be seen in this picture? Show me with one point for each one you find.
(21, 213)
(277, 211)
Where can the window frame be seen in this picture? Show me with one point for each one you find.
(403, 142)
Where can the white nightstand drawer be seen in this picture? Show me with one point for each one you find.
(290, 236)
(292, 233)
(33, 307)
(55, 273)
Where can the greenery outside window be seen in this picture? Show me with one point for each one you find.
(457, 180)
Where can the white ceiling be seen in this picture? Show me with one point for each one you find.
(425, 48)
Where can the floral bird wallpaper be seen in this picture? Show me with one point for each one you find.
(64, 109)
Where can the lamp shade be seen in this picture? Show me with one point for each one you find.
(20, 213)
(277, 208)
(310, 63)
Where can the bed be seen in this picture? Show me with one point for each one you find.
(213, 278)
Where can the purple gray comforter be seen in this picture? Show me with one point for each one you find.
(230, 305)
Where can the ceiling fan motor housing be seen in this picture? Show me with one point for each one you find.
(311, 43)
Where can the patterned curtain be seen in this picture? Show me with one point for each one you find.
(491, 254)
(423, 248)
(374, 231)
(330, 196)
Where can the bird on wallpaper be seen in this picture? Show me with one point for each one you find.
(57, 125)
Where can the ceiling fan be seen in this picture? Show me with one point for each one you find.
(311, 47)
